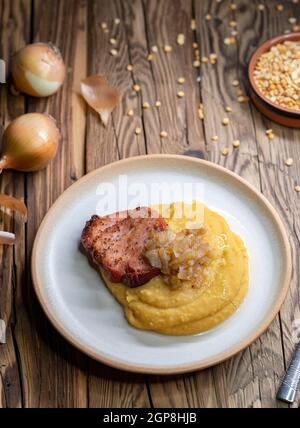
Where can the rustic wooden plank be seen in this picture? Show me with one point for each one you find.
(14, 33)
(278, 183)
(114, 388)
(118, 140)
(136, 38)
(77, 124)
(207, 388)
(2, 393)
(177, 116)
(53, 372)
(108, 387)
(162, 23)
(264, 359)
(216, 94)
(33, 346)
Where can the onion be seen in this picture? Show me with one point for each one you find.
(38, 69)
(153, 258)
(29, 142)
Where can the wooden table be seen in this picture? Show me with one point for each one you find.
(38, 368)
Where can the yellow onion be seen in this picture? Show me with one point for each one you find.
(14, 204)
(29, 142)
(38, 69)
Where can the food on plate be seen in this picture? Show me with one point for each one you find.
(171, 274)
(116, 243)
(179, 256)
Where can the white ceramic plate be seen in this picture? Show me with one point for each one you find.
(82, 309)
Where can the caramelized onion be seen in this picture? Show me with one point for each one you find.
(180, 256)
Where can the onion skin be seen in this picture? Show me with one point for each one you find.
(30, 142)
(38, 69)
(102, 97)
(14, 204)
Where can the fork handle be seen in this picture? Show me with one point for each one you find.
(290, 382)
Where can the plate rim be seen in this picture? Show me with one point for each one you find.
(187, 367)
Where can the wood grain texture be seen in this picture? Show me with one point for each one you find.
(108, 387)
(14, 33)
(179, 118)
(257, 370)
(38, 368)
(61, 379)
(278, 182)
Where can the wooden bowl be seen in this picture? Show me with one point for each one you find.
(278, 114)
